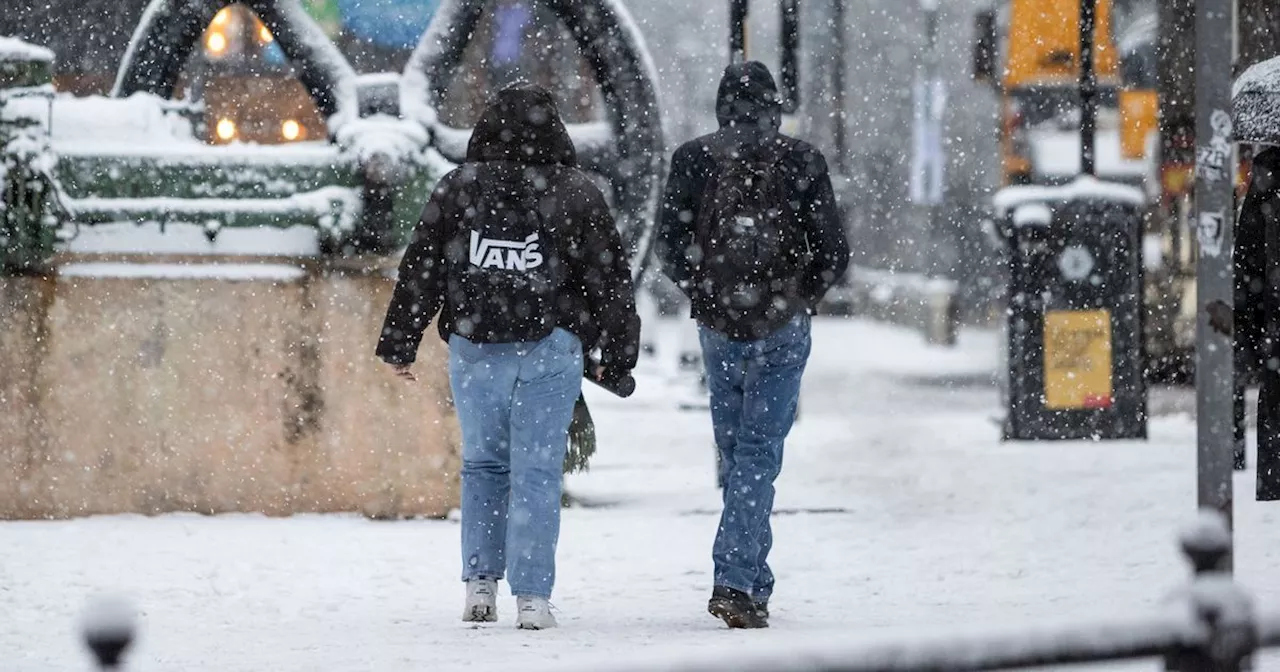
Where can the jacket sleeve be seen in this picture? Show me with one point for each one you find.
(1250, 265)
(606, 278)
(677, 217)
(828, 245)
(420, 288)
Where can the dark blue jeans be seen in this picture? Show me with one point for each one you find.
(755, 386)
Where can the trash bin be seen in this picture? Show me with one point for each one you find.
(1074, 317)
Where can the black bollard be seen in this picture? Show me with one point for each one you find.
(1224, 610)
(108, 629)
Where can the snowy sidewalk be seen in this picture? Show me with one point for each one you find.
(900, 512)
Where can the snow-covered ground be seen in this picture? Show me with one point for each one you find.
(900, 513)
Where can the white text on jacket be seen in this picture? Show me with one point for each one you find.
(511, 255)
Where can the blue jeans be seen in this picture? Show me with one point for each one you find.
(514, 402)
(755, 386)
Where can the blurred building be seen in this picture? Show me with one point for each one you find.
(248, 87)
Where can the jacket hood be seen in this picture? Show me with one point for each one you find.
(522, 125)
(747, 96)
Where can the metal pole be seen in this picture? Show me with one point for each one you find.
(931, 76)
(789, 57)
(1215, 220)
(837, 83)
(738, 30)
(927, 147)
(1088, 88)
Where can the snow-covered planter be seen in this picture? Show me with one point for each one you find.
(28, 198)
(384, 137)
(28, 203)
(23, 64)
(382, 160)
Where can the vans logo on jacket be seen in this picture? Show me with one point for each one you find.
(511, 255)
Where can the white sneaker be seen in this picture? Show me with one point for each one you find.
(482, 601)
(534, 613)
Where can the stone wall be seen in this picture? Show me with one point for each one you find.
(126, 389)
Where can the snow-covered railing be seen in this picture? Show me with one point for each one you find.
(1208, 626)
(1181, 642)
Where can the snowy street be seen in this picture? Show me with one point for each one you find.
(900, 513)
(226, 224)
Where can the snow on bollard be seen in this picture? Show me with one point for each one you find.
(1206, 541)
(1223, 611)
(109, 626)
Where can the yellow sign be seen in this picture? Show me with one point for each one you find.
(1077, 359)
(1139, 116)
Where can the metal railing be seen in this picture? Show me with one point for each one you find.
(1208, 625)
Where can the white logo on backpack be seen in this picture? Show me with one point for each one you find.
(511, 255)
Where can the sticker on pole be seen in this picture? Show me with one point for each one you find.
(1077, 360)
(1212, 159)
(1209, 230)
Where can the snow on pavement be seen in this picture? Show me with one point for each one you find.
(900, 512)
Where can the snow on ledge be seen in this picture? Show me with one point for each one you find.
(1032, 214)
(884, 282)
(139, 122)
(13, 49)
(196, 152)
(1083, 187)
(225, 272)
(320, 203)
(191, 239)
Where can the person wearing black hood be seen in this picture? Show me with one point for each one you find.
(749, 231)
(518, 252)
(1257, 309)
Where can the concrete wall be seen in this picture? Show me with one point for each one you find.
(154, 394)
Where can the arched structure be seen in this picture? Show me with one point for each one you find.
(630, 156)
(626, 149)
(170, 29)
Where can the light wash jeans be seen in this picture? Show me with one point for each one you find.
(755, 386)
(514, 402)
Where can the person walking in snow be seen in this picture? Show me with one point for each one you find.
(748, 230)
(518, 252)
(1257, 308)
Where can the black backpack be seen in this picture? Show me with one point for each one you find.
(504, 276)
(748, 239)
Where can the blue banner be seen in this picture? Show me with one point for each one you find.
(393, 24)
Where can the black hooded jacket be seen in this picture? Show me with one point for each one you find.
(1257, 309)
(520, 140)
(750, 114)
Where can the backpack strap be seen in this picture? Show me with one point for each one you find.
(780, 149)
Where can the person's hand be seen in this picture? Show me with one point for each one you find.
(405, 371)
(598, 373)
